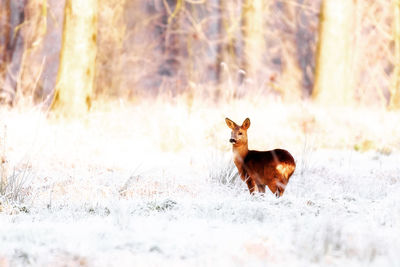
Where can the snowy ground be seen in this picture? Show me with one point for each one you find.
(86, 194)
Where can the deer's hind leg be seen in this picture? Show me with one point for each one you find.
(277, 188)
(272, 186)
(261, 188)
(280, 188)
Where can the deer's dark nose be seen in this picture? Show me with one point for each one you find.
(233, 141)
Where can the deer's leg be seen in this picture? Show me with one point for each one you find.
(250, 184)
(279, 192)
(273, 188)
(261, 188)
(280, 188)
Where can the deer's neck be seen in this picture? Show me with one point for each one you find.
(239, 153)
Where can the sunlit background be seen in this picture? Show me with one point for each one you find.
(114, 150)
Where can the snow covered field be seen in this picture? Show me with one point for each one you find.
(155, 186)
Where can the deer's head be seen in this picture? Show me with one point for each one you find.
(239, 133)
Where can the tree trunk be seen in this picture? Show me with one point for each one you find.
(4, 45)
(173, 49)
(73, 93)
(290, 80)
(12, 46)
(4, 33)
(227, 63)
(33, 31)
(110, 47)
(333, 74)
(394, 102)
(254, 44)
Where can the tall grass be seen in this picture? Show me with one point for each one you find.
(151, 148)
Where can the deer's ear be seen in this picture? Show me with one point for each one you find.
(246, 124)
(230, 123)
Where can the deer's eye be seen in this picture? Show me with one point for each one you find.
(240, 133)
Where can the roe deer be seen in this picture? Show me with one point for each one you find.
(260, 168)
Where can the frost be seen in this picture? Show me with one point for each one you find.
(94, 199)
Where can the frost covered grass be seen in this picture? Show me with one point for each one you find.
(153, 184)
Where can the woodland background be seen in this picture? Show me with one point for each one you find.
(336, 52)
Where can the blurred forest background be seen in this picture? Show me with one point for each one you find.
(336, 52)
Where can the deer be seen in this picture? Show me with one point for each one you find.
(258, 169)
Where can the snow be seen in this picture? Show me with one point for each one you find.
(91, 199)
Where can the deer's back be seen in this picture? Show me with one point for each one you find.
(268, 166)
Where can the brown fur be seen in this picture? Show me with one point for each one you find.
(260, 168)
